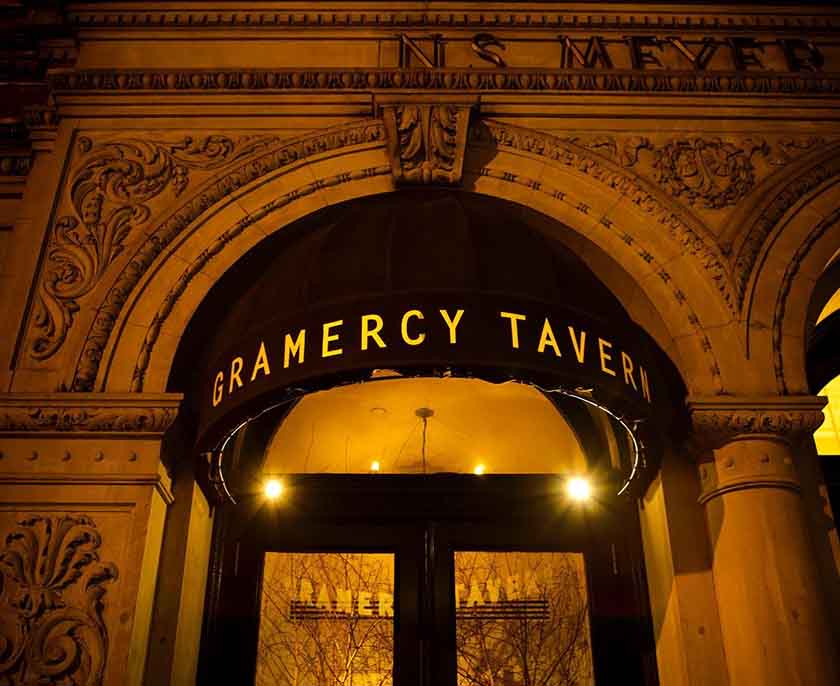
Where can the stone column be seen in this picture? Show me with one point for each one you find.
(83, 499)
(771, 605)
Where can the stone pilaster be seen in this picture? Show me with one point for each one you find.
(82, 505)
(773, 616)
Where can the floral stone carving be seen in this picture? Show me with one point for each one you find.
(710, 173)
(426, 142)
(109, 194)
(51, 602)
(80, 414)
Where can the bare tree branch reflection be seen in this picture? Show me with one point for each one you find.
(326, 620)
(522, 619)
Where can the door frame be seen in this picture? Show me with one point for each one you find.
(422, 519)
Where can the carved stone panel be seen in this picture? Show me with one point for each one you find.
(426, 142)
(88, 414)
(52, 595)
(111, 196)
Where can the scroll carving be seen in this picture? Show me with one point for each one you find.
(247, 170)
(75, 420)
(51, 602)
(426, 142)
(110, 195)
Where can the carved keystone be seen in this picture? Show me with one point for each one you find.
(426, 142)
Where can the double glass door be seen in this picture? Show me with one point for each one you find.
(436, 580)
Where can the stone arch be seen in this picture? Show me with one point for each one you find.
(671, 262)
(785, 272)
(803, 180)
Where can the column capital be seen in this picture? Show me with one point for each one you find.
(717, 420)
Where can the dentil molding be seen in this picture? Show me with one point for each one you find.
(88, 414)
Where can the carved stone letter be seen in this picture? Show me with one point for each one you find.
(426, 142)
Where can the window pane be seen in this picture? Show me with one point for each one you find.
(522, 618)
(327, 619)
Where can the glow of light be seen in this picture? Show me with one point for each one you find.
(578, 489)
(374, 466)
(273, 489)
(479, 469)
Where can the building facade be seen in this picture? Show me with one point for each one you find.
(421, 261)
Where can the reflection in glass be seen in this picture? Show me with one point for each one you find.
(522, 619)
(326, 619)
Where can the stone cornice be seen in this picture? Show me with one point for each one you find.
(455, 80)
(718, 420)
(88, 414)
(262, 16)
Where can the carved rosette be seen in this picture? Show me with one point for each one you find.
(51, 602)
(96, 414)
(426, 142)
(712, 173)
(753, 440)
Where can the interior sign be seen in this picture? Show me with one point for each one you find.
(466, 335)
(513, 596)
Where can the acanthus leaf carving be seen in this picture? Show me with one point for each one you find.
(287, 152)
(110, 195)
(426, 142)
(53, 584)
(711, 173)
(83, 413)
(717, 421)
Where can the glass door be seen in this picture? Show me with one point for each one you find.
(326, 617)
(521, 618)
(446, 580)
(538, 603)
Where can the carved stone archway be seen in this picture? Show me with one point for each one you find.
(667, 252)
(784, 274)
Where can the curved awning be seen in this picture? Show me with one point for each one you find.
(423, 283)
